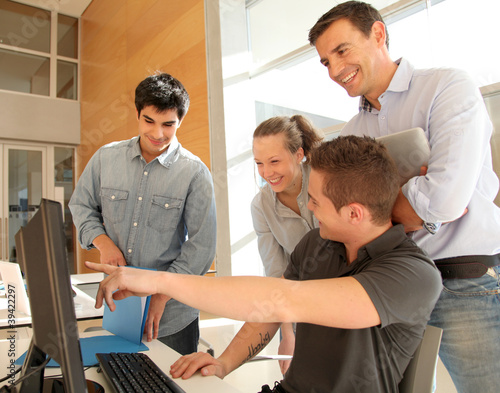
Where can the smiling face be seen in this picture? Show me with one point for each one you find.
(156, 131)
(352, 59)
(276, 164)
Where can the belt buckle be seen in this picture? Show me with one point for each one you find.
(491, 271)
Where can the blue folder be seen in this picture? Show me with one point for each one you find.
(127, 325)
(128, 319)
(98, 344)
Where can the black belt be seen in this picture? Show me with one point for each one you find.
(277, 388)
(468, 266)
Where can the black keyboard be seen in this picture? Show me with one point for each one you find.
(135, 373)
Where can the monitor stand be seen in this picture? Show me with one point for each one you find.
(36, 382)
(55, 385)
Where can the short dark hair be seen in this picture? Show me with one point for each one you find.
(361, 15)
(358, 170)
(298, 131)
(164, 92)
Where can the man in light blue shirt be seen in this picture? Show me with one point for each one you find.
(450, 211)
(148, 202)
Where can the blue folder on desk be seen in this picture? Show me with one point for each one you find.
(127, 325)
(96, 344)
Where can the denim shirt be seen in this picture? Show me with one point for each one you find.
(160, 214)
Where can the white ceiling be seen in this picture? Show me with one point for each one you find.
(67, 7)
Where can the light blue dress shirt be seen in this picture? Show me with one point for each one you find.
(447, 105)
(160, 214)
(278, 227)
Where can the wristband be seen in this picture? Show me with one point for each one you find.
(432, 227)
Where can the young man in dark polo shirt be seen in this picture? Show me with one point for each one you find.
(360, 291)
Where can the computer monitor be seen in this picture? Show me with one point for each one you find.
(42, 257)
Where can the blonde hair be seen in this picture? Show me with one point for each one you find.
(299, 132)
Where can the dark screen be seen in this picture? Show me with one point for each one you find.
(42, 257)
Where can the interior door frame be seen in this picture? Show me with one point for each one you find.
(5, 147)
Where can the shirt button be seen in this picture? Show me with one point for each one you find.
(113, 197)
(140, 198)
(135, 224)
(145, 173)
(129, 251)
(166, 204)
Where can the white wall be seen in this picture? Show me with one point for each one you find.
(36, 118)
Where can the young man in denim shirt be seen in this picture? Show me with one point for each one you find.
(148, 202)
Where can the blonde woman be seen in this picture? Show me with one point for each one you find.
(281, 148)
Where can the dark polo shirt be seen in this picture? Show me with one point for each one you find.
(402, 283)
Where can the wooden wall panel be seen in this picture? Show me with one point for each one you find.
(123, 41)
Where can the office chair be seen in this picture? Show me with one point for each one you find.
(210, 348)
(419, 375)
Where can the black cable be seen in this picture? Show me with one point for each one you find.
(41, 366)
(85, 369)
(11, 374)
(89, 367)
(6, 388)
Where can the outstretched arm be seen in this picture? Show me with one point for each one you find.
(338, 302)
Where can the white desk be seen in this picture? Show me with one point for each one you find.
(162, 355)
(86, 278)
(84, 303)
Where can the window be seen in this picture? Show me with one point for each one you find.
(29, 63)
(24, 27)
(67, 36)
(24, 72)
(436, 37)
(66, 79)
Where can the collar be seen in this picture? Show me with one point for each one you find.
(164, 158)
(306, 169)
(167, 157)
(399, 82)
(134, 149)
(389, 240)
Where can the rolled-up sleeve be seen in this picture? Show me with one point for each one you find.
(459, 139)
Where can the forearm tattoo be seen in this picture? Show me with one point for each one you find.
(255, 348)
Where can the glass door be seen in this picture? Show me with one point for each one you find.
(64, 163)
(24, 183)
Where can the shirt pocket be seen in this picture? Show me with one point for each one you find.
(114, 204)
(165, 213)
